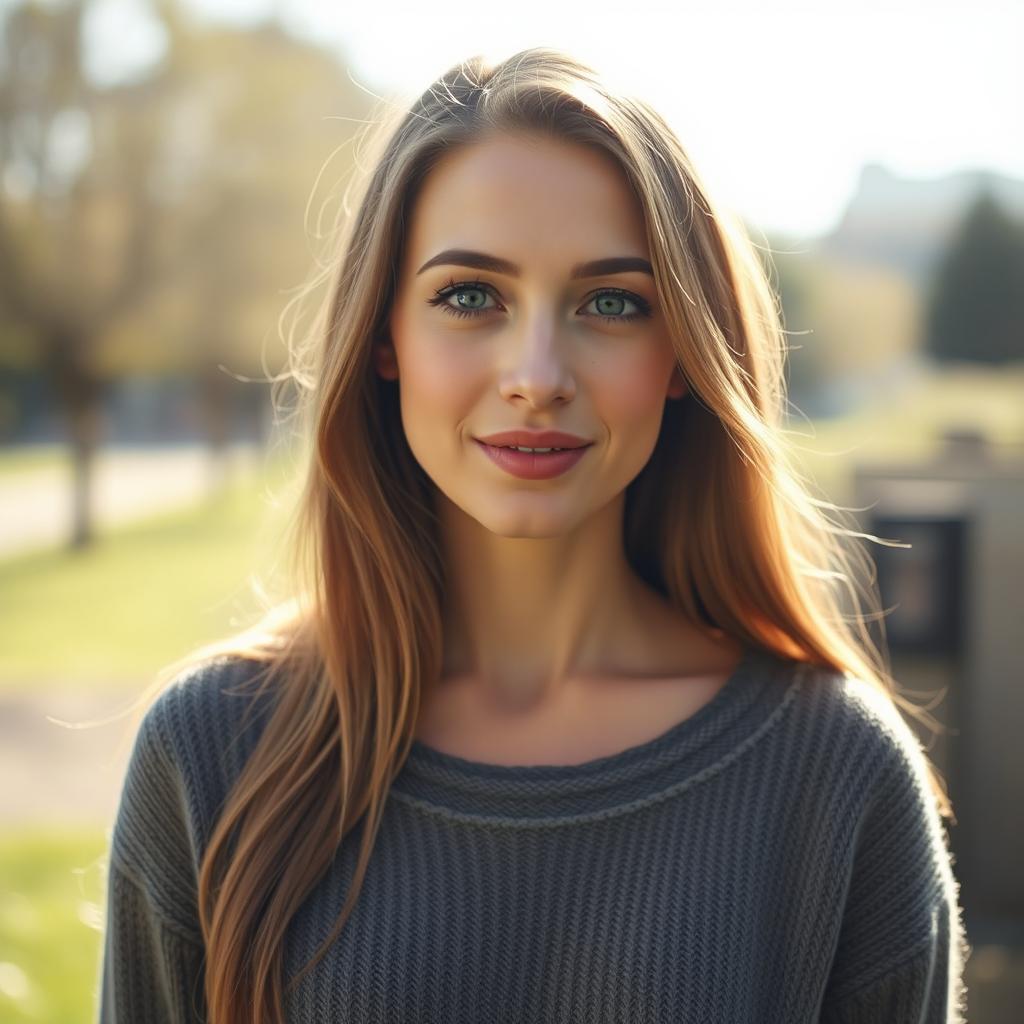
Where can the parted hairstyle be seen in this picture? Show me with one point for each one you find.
(719, 520)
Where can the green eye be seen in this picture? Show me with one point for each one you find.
(477, 297)
(476, 290)
(610, 303)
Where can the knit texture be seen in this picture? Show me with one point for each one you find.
(776, 856)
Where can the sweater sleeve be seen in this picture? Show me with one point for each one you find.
(153, 953)
(902, 946)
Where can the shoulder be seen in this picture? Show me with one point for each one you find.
(901, 897)
(202, 704)
(873, 771)
(207, 720)
(189, 747)
(850, 758)
(858, 723)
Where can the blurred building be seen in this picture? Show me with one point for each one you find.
(954, 630)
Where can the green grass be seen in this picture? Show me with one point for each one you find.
(111, 615)
(27, 458)
(51, 915)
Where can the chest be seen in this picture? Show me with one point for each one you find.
(654, 915)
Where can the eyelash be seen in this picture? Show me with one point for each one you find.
(442, 294)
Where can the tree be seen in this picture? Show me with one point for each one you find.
(976, 300)
(266, 109)
(77, 238)
(153, 225)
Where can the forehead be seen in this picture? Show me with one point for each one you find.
(543, 203)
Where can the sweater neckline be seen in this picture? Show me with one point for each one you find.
(748, 702)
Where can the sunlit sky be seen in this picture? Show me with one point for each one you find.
(778, 104)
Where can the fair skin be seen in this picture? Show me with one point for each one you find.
(555, 651)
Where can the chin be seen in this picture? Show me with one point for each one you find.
(535, 524)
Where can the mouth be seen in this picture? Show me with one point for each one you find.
(533, 465)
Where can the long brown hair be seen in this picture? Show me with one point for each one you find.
(719, 521)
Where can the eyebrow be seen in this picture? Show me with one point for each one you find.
(497, 265)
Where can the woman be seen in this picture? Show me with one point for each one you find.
(586, 734)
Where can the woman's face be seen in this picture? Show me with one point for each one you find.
(526, 339)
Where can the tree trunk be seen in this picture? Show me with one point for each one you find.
(80, 393)
(85, 436)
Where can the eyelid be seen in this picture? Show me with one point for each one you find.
(625, 292)
(454, 286)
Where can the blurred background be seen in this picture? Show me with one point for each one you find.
(169, 171)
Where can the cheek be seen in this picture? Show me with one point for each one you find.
(439, 384)
(631, 396)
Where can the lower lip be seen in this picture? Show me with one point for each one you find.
(532, 466)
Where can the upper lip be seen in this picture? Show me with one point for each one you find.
(536, 439)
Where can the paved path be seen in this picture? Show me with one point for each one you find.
(129, 483)
(55, 773)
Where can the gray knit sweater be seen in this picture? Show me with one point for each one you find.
(775, 857)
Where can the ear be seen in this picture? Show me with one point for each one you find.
(384, 358)
(677, 386)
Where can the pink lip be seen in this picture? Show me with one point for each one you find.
(535, 439)
(533, 466)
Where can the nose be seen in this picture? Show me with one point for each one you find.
(538, 364)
